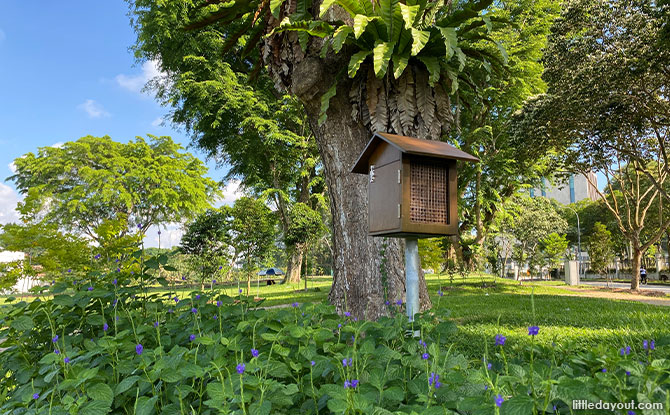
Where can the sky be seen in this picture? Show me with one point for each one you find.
(66, 71)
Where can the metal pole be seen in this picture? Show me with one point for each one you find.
(412, 269)
(579, 242)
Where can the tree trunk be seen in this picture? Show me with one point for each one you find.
(294, 265)
(635, 275)
(359, 284)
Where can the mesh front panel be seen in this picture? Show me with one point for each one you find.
(429, 193)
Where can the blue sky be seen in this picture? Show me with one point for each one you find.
(65, 72)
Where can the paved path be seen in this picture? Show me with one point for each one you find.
(659, 288)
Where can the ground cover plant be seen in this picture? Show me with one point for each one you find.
(101, 346)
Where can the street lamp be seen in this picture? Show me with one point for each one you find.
(579, 241)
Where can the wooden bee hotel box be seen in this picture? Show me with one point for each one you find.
(412, 187)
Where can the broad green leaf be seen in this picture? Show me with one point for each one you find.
(454, 81)
(420, 38)
(216, 391)
(95, 408)
(518, 405)
(353, 7)
(145, 405)
(100, 392)
(409, 14)
(461, 59)
(399, 65)
(337, 406)
(392, 17)
(340, 36)
(325, 103)
(257, 408)
(126, 384)
(23, 323)
(433, 66)
(381, 57)
(275, 7)
(450, 40)
(356, 61)
(360, 23)
(487, 22)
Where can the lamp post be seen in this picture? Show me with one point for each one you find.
(579, 241)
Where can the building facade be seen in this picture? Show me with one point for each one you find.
(576, 188)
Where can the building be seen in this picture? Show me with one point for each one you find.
(575, 189)
(23, 285)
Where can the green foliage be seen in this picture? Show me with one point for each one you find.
(102, 189)
(600, 248)
(554, 248)
(190, 352)
(305, 225)
(432, 253)
(252, 231)
(207, 241)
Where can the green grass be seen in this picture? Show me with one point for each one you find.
(569, 322)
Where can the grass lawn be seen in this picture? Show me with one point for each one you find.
(483, 307)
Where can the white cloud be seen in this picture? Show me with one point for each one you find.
(231, 192)
(12, 167)
(8, 200)
(157, 122)
(93, 109)
(170, 236)
(58, 144)
(135, 83)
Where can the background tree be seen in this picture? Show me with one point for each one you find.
(432, 254)
(605, 108)
(252, 233)
(425, 48)
(533, 219)
(207, 242)
(305, 227)
(105, 191)
(600, 247)
(554, 247)
(49, 253)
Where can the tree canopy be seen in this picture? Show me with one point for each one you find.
(105, 189)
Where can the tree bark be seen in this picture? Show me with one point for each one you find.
(635, 274)
(294, 264)
(367, 271)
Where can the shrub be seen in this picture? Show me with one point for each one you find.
(117, 349)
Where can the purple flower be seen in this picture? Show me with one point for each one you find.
(254, 352)
(339, 325)
(191, 337)
(239, 290)
(139, 225)
(387, 302)
(346, 362)
(57, 351)
(627, 349)
(498, 400)
(183, 278)
(347, 384)
(434, 379)
(645, 345)
(66, 360)
(422, 343)
(197, 296)
(533, 330)
(216, 317)
(105, 327)
(55, 339)
(604, 370)
(354, 383)
(425, 356)
(139, 349)
(118, 270)
(218, 303)
(652, 345)
(194, 310)
(240, 368)
(627, 373)
(90, 288)
(214, 281)
(176, 300)
(500, 340)
(156, 324)
(440, 293)
(115, 301)
(69, 270)
(622, 351)
(631, 412)
(488, 366)
(36, 395)
(312, 362)
(398, 303)
(294, 305)
(347, 314)
(159, 232)
(115, 281)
